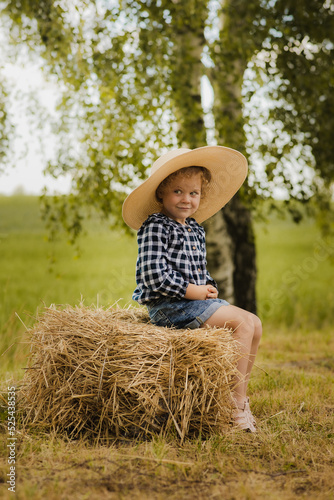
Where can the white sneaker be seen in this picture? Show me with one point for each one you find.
(250, 414)
(242, 419)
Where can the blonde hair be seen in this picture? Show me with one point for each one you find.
(185, 172)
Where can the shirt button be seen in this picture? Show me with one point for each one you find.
(199, 269)
(189, 230)
(194, 248)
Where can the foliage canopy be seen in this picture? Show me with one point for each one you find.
(130, 74)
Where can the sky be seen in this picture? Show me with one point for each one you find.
(24, 169)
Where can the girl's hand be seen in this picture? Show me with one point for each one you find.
(212, 292)
(200, 292)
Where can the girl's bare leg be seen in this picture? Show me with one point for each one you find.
(247, 329)
(255, 345)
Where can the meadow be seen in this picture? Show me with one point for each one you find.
(291, 387)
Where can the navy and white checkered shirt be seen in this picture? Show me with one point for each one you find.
(170, 256)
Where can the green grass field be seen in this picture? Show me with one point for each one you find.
(35, 272)
(291, 388)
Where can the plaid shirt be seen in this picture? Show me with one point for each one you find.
(170, 256)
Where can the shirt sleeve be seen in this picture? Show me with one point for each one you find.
(154, 269)
(211, 281)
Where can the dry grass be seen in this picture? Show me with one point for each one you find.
(101, 374)
(279, 465)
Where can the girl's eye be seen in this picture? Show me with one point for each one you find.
(177, 191)
(195, 193)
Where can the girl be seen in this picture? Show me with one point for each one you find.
(187, 187)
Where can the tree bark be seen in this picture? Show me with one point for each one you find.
(186, 83)
(220, 250)
(239, 224)
(231, 254)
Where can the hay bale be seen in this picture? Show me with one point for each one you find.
(104, 373)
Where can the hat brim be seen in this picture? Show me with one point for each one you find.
(228, 169)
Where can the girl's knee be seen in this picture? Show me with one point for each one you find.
(257, 327)
(257, 322)
(253, 325)
(242, 322)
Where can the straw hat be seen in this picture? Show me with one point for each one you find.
(228, 170)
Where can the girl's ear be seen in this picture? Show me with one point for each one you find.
(158, 194)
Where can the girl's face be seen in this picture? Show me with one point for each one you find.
(182, 197)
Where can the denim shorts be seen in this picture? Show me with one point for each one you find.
(182, 313)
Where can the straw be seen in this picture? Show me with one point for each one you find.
(106, 373)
